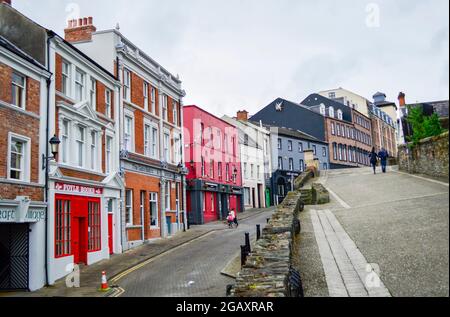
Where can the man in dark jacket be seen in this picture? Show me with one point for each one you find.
(383, 155)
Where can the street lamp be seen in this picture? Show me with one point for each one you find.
(54, 147)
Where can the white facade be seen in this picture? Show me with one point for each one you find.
(78, 173)
(348, 98)
(256, 163)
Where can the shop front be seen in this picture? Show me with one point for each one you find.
(82, 225)
(208, 202)
(22, 244)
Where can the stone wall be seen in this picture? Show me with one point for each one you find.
(429, 157)
(267, 271)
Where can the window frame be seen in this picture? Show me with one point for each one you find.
(108, 103)
(80, 84)
(66, 89)
(153, 200)
(127, 85)
(93, 93)
(26, 158)
(129, 208)
(19, 87)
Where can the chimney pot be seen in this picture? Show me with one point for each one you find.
(402, 99)
(79, 30)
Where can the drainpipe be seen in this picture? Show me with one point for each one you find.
(47, 138)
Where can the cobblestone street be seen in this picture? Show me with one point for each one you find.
(194, 269)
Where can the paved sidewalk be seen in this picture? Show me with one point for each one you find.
(90, 276)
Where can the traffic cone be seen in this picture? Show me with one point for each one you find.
(104, 287)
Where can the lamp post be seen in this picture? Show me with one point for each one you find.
(54, 147)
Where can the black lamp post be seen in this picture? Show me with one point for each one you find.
(54, 148)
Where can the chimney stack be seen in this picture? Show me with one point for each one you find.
(402, 99)
(79, 30)
(242, 115)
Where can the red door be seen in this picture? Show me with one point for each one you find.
(110, 233)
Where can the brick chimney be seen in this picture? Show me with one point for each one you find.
(79, 30)
(402, 99)
(242, 115)
(6, 1)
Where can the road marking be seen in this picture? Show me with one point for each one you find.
(340, 201)
(345, 267)
(423, 178)
(140, 265)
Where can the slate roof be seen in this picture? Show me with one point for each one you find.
(14, 49)
(314, 102)
(288, 114)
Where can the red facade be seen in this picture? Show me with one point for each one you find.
(213, 160)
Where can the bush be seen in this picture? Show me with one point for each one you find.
(423, 126)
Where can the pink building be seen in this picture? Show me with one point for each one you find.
(214, 182)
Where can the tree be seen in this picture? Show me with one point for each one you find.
(423, 126)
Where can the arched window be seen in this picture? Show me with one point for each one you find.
(331, 112)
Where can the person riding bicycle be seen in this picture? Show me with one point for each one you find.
(230, 220)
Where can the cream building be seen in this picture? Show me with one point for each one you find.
(348, 98)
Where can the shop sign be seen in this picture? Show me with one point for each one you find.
(21, 214)
(78, 189)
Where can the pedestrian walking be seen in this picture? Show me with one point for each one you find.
(374, 160)
(230, 220)
(383, 155)
(235, 219)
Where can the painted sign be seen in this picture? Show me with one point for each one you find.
(15, 214)
(78, 189)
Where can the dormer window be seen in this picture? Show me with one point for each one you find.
(331, 112)
(323, 110)
(340, 114)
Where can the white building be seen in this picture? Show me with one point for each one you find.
(256, 163)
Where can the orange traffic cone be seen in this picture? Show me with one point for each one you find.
(104, 287)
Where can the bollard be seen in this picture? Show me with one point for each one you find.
(247, 242)
(258, 232)
(243, 255)
(268, 219)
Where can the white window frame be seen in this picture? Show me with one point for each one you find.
(175, 112)
(93, 93)
(81, 144)
(108, 103)
(147, 138)
(145, 93)
(155, 141)
(177, 149)
(65, 141)
(67, 78)
(153, 199)
(323, 110)
(127, 85)
(252, 171)
(129, 208)
(290, 146)
(80, 84)
(94, 146)
(153, 99)
(280, 163)
(165, 113)
(128, 115)
(166, 146)
(331, 112)
(245, 170)
(291, 164)
(23, 88)
(340, 114)
(26, 157)
(167, 195)
(109, 149)
(302, 165)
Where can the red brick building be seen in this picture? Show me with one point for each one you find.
(348, 132)
(22, 179)
(213, 159)
(151, 112)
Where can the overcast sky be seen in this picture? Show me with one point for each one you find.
(242, 54)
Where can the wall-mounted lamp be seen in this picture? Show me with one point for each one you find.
(54, 148)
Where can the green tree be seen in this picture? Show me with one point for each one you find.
(422, 126)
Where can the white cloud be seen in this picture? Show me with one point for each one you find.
(238, 54)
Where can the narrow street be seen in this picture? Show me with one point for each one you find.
(194, 269)
(396, 222)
